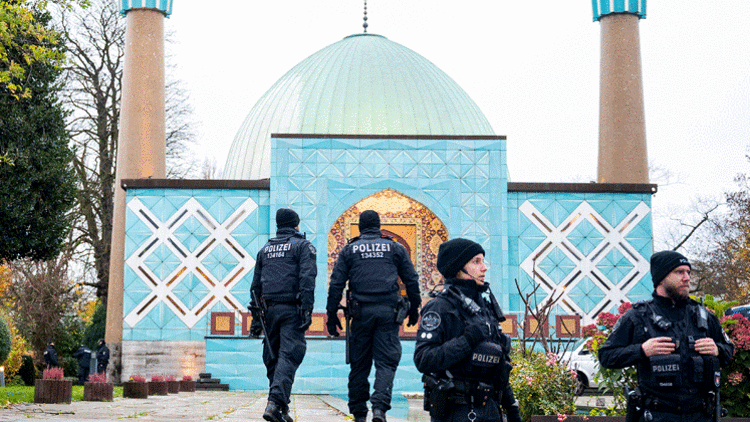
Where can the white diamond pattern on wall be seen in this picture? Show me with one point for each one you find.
(611, 264)
(192, 245)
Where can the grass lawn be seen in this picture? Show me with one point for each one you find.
(25, 394)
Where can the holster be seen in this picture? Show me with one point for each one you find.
(354, 307)
(438, 396)
(402, 309)
(635, 406)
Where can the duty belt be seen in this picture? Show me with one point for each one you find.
(677, 409)
(465, 389)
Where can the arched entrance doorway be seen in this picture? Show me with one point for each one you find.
(410, 223)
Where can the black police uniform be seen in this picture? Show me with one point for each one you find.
(466, 376)
(285, 272)
(674, 386)
(102, 358)
(50, 356)
(373, 263)
(83, 354)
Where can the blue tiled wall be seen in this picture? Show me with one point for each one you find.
(596, 245)
(189, 252)
(238, 362)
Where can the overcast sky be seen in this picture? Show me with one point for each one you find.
(532, 67)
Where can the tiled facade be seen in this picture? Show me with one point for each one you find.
(190, 251)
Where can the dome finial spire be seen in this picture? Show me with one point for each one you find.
(364, 25)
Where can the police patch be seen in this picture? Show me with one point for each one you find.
(312, 249)
(430, 320)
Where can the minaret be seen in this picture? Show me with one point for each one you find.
(141, 143)
(622, 124)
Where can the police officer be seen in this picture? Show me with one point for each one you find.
(676, 344)
(83, 354)
(102, 357)
(461, 350)
(284, 282)
(373, 262)
(50, 355)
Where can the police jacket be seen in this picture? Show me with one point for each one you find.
(373, 263)
(102, 355)
(50, 356)
(680, 379)
(285, 269)
(443, 349)
(83, 354)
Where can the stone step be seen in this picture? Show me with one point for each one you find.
(212, 387)
(207, 381)
(204, 375)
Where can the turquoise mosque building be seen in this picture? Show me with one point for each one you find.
(366, 123)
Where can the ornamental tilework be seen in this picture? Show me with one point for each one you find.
(455, 182)
(188, 253)
(591, 250)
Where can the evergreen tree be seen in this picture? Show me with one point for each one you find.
(5, 343)
(37, 182)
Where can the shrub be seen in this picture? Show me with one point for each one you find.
(27, 371)
(170, 378)
(5, 341)
(53, 374)
(735, 378)
(542, 385)
(98, 378)
(187, 378)
(69, 364)
(137, 378)
(157, 378)
(94, 331)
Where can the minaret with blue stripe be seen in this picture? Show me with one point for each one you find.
(141, 150)
(623, 156)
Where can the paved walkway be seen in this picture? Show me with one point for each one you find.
(213, 406)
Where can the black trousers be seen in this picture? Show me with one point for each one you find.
(83, 374)
(289, 344)
(374, 337)
(101, 367)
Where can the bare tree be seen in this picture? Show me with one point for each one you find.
(95, 38)
(40, 294)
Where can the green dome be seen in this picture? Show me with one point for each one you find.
(364, 84)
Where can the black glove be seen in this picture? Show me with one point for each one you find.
(306, 316)
(413, 317)
(475, 334)
(513, 414)
(332, 323)
(256, 329)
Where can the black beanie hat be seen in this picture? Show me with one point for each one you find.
(286, 218)
(662, 263)
(454, 254)
(369, 219)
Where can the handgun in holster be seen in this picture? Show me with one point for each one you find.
(437, 395)
(635, 405)
(402, 309)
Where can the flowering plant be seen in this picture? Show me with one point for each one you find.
(53, 374)
(137, 378)
(157, 378)
(735, 377)
(99, 378)
(187, 378)
(542, 384)
(170, 378)
(614, 380)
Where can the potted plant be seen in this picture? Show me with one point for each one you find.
(98, 388)
(187, 384)
(53, 387)
(135, 388)
(158, 386)
(173, 386)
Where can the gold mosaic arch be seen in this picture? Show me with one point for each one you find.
(408, 221)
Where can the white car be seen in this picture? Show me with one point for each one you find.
(584, 363)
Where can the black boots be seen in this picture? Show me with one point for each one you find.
(378, 415)
(273, 413)
(360, 418)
